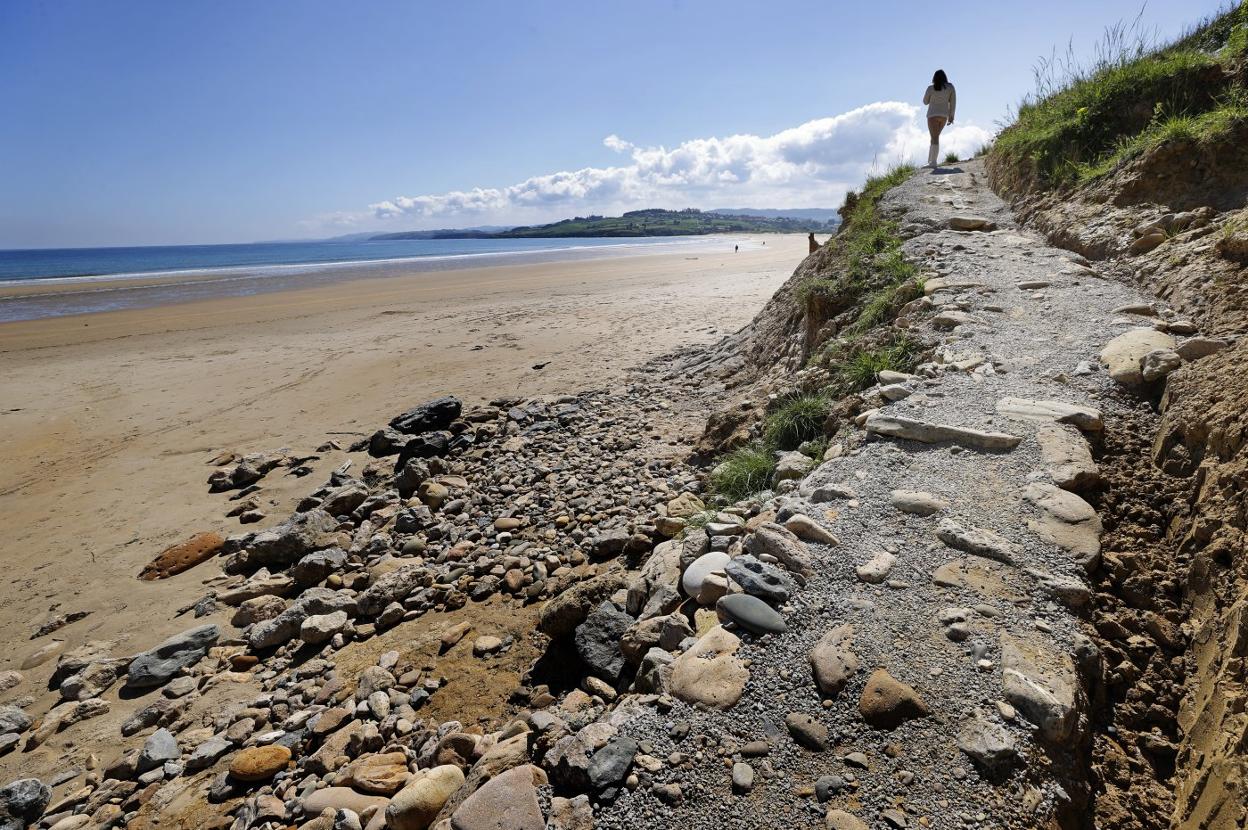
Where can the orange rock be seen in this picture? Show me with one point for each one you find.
(259, 763)
(183, 556)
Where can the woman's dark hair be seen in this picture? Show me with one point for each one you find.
(940, 79)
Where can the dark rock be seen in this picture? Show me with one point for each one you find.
(317, 565)
(157, 666)
(428, 416)
(22, 803)
(610, 764)
(751, 613)
(598, 641)
(760, 579)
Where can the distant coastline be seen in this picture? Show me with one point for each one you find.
(653, 222)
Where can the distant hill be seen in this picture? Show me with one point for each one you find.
(652, 222)
(828, 215)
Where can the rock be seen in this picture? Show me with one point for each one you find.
(791, 465)
(742, 777)
(157, 666)
(415, 806)
(760, 579)
(286, 625)
(684, 506)
(1158, 363)
(899, 427)
(487, 645)
(262, 583)
(1123, 354)
(876, 570)
(917, 503)
(598, 641)
(13, 720)
(22, 802)
(1041, 684)
(896, 391)
(988, 744)
(694, 578)
(259, 763)
(341, 798)
(1085, 418)
(293, 539)
(1198, 347)
(971, 223)
(983, 543)
(321, 628)
(1067, 521)
(429, 416)
(208, 753)
(453, 635)
(653, 673)
(382, 774)
(833, 661)
(257, 609)
(1067, 590)
(159, 747)
(569, 760)
(807, 731)
(886, 702)
(183, 556)
(395, 586)
(10, 679)
(804, 527)
(43, 654)
(948, 320)
(561, 615)
(709, 673)
(316, 566)
(570, 814)
(506, 802)
(611, 763)
(770, 539)
(1066, 455)
(751, 613)
(341, 501)
(837, 819)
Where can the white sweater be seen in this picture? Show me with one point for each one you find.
(940, 102)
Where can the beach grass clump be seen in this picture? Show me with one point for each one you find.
(951, 158)
(856, 366)
(1084, 118)
(743, 472)
(796, 419)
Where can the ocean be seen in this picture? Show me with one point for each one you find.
(52, 282)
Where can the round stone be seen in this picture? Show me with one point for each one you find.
(751, 613)
(259, 763)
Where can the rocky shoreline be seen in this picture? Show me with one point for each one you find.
(529, 615)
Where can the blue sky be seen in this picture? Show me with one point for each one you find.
(198, 122)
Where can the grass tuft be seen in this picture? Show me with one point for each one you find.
(951, 158)
(796, 419)
(743, 472)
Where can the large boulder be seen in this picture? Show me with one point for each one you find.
(22, 802)
(598, 641)
(289, 541)
(1122, 355)
(507, 802)
(565, 612)
(710, 673)
(1042, 684)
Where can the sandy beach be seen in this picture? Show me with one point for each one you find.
(107, 421)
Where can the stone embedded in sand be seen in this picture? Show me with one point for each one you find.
(157, 666)
(183, 556)
(1066, 455)
(971, 223)
(833, 660)
(876, 570)
(804, 527)
(886, 702)
(709, 673)
(947, 320)
(259, 763)
(917, 503)
(1041, 683)
(807, 731)
(416, 805)
(1067, 521)
(428, 416)
(1158, 363)
(837, 819)
(382, 774)
(896, 426)
(1123, 354)
(1086, 418)
(989, 744)
(980, 542)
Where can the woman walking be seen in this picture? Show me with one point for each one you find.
(941, 101)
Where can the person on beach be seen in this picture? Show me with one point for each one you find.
(941, 102)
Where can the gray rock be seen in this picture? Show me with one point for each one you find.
(807, 731)
(771, 539)
(320, 628)
(317, 565)
(1085, 418)
(1067, 457)
(611, 763)
(157, 666)
(1158, 363)
(833, 660)
(742, 777)
(395, 586)
(1041, 683)
(760, 579)
(751, 613)
(988, 744)
(22, 802)
(208, 753)
(876, 570)
(13, 720)
(917, 503)
(598, 641)
(908, 428)
(159, 747)
(1067, 521)
(983, 543)
(289, 541)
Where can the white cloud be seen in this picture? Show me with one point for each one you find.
(811, 165)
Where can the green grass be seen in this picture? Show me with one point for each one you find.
(951, 158)
(743, 472)
(796, 419)
(1084, 120)
(855, 368)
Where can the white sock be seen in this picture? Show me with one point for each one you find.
(932, 152)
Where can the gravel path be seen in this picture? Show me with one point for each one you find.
(943, 635)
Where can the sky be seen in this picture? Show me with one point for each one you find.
(133, 123)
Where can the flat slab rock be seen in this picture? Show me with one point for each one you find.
(709, 672)
(897, 426)
(1086, 418)
(1067, 458)
(983, 543)
(1066, 521)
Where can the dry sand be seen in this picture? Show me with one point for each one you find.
(107, 421)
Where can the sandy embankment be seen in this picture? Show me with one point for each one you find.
(107, 420)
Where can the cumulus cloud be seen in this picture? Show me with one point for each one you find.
(810, 165)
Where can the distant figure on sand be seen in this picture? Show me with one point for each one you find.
(814, 246)
(941, 102)
(736, 248)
